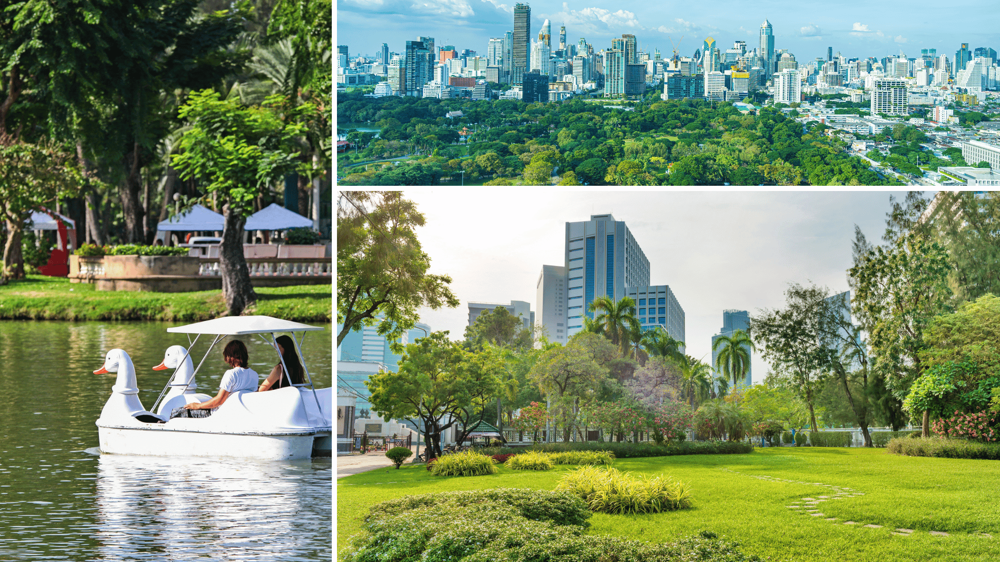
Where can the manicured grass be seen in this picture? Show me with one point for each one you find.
(54, 298)
(745, 498)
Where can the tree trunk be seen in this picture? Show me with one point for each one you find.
(129, 192)
(925, 427)
(305, 189)
(169, 180)
(13, 260)
(237, 289)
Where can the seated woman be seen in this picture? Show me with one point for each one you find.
(277, 378)
(238, 378)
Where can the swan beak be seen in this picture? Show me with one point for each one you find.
(101, 371)
(160, 367)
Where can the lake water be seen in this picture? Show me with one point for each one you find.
(60, 499)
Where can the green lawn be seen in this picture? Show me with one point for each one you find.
(746, 498)
(55, 298)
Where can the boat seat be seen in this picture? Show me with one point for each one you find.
(148, 418)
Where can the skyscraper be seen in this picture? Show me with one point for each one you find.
(534, 87)
(709, 62)
(962, 57)
(889, 97)
(614, 72)
(562, 38)
(494, 52)
(733, 320)
(788, 87)
(545, 35)
(767, 47)
(385, 53)
(507, 68)
(829, 54)
(419, 67)
(522, 42)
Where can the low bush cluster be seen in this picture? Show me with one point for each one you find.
(801, 439)
(612, 491)
(942, 447)
(787, 438)
(634, 450)
(583, 457)
(830, 439)
(468, 463)
(502, 458)
(882, 438)
(95, 251)
(977, 426)
(531, 461)
(509, 525)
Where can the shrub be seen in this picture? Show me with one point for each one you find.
(979, 426)
(636, 450)
(787, 438)
(583, 457)
(882, 438)
(138, 250)
(398, 454)
(90, 251)
(510, 525)
(612, 491)
(301, 236)
(801, 439)
(502, 458)
(468, 463)
(942, 447)
(35, 251)
(830, 439)
(431, 462)
(531, 461)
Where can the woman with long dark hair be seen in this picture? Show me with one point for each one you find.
(278, 378)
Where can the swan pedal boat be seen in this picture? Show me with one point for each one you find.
(294, 422)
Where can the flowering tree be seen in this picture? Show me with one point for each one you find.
(671, 420)
(979, 426)
(530, 419)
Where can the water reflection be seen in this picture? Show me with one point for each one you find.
(57, 502)
(239, 510)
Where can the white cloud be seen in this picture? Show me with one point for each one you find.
(459, 8)
(596, 20)
(500, 6)
(900, 39)
(811, 30)
(860, 30)
(366, 3)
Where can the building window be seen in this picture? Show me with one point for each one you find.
(663, 310)
(610, 286)
(642, 311)
(663, 301)
(589, 281)
(663, 320)
(642, 302)
(642, 320)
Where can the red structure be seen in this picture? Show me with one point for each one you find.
(58, 265)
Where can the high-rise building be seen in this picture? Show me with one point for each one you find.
(507, 68)
(986, 52)
(419, 67)
(679, 86)
(656, 306)
(614, 72)
(342, 50)
(889, 97)
(733, 320)
(715, 85)
(709, 62)
(975, 75)
(581, 69)
(534, 87)
(545, 35)
(635, 80)
(829, 53)
(541, 58)
(788, 87)
(551, 292)
(385, 53)
(494, 52)
(396, 76)
(787, 62)
(962, 57)
(562, 38)
(363, 353)
(522, 42)
(767, 47)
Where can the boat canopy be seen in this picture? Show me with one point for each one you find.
(243, 325)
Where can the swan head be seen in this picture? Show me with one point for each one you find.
(114, 361)
(172, 358)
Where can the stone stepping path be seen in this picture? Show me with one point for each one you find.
(810, 506)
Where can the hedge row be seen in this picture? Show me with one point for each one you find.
(510, 525)
(942, 447)
(634, 450)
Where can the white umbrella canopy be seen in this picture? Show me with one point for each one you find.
(42, 221)
(194, 219)
(276, 217)
(243, 325)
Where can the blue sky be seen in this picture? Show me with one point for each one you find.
(856, 28)
(716, 249)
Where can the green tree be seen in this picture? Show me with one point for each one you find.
(696, 381)
(500, 328)
(568, 375)
(381, 268)
(235, 153)
(968, 225)
(616, 320)
(538, 173)
(734, 355)
(439, 384)
(657, 342)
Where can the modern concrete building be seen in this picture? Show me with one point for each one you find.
(364, 353)
(732, 320)
(419, 67)
(550, 303)
(767, 48)
(535, 87)
(889, 97)
(515, 308)
(657, 306)
(678, 86)
(974, 152)
(788, 87)
(521, 48)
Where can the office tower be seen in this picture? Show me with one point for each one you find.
(680, 86)
(631, 48)
(447, 53)
(656, 306)
(986, 52)
(342, 50)
(522, 42)
(562, 38)
(397, 79)
(635, 79)
(614, 72)
(788, 87)
(507, 68)
(419, 67)
(363, 353)
(540, 58)
(534, 87)
(889, 97)
(551, 303)
(602, 258)
(829, 54)
(975, 152)
(975, 75)
(545, 35)
(962, 57)
(708, 61)
(767, 47)
(733, 320)
(494, 52)
(581, 69)
(787, 62)
(942, 67)
(715, 85)
(385, 54)
(740, 83)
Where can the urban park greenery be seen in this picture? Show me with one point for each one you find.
(675, 142)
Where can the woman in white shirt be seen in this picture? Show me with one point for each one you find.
(239, 378)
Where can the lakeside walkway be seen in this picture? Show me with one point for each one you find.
(348, 465)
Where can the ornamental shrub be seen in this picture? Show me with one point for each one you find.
(787, 438)
(583, 457)
(979, 426)
(301, 236)
(502, 458)
(881, 438)
(626, 450)
(539, 505)
(801, 439)
(90, 251)
(531, 461)
(830, 439)
(468, 463)
(612, 491)
(398, 455)
(138, 250)
(943, 447)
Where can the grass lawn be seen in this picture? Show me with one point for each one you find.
(746, 497)
(55, 298)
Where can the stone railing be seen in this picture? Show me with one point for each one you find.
(276, 267)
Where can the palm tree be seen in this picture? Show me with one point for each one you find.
(696, 380)
(722, 383)
(616, 320)
(734, 355)
(657, 342)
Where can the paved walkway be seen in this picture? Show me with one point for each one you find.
(355, 464)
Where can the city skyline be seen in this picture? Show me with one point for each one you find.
(701, 244)
(855, 29)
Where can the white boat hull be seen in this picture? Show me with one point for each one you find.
(166, 442)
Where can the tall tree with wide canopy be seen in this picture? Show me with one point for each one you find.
(658, 343)
(568, 374)
(381, 268)
(616, 320)
(734, 355)
(696, 380)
